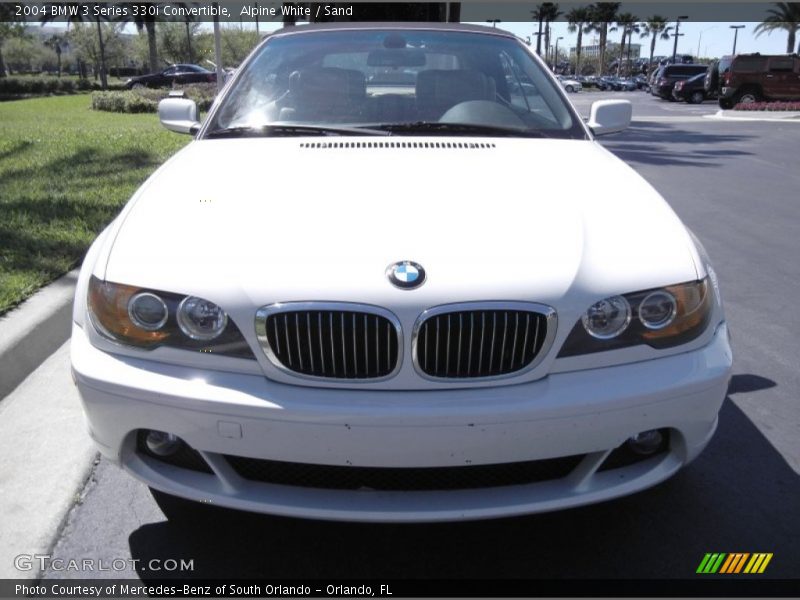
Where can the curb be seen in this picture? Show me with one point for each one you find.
(34, 330)
(780, 116)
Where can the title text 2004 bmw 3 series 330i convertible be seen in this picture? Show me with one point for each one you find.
(381, 303)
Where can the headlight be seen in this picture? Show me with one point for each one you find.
(608, 318)
(201, 319)
(150, 318)
(659, 318)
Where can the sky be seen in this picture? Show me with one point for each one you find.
(713, 39)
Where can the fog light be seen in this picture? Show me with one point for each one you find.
(646, 442)
(161, 443)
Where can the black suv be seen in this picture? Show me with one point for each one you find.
(750, 78)
(668, 75)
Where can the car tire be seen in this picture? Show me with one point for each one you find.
(726, 103)
(138, 86)
(748, 96)
(697, 97)
(569, 89)
(181, 510)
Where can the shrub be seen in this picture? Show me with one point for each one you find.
(146, 100)
(123, 102)
(769, 106)
(23, 87)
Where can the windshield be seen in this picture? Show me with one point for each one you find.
(400, 81)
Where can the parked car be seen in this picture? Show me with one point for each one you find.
(691, 90)
(750, 78)
(641, 82)
(626, 85)
(608, 83)
(668, 75)
(569, 84)
(338, 346)
(176, 74)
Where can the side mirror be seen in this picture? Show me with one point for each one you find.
(179, 115)
(610, 116)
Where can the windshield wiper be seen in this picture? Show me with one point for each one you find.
(458, 129)
(281, 129)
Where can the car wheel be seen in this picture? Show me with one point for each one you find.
(725, 103)
(137, 86)
(747, 97)
(697, 97)
(569, 89)
(180, 510)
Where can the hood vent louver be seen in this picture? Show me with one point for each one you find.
(398, 145)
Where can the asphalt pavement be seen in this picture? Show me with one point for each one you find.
(737, 186)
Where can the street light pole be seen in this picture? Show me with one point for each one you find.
(736, 29)
(677, 27)
(701, 37)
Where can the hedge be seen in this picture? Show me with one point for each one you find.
(21, 87)
(146, 100)
(770, 106)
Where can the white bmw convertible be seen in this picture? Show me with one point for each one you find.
(379, 303)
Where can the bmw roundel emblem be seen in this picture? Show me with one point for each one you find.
(406, 274)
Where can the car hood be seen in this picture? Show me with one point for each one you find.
(250, 222)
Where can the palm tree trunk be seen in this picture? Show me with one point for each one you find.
(103, 78)
(539, 39)
(603, 36)
(547, 41)
(150, 26)
(58, 56)
(652, 51)
(2, 62)
(189, 42)
(578, 50)
(790, 42)
(622, 50)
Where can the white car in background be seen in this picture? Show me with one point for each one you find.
(380, 303)
(569, 84)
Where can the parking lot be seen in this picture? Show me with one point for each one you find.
(736, 185)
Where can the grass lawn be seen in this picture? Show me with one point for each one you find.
(65, 171)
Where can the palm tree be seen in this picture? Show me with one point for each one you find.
(603, 13)
(785, 16)
(551, 13)
(655, 27)
(8, 28)
(539, 15)
(144, 16)
(625, 21)
(55, 41)
(187, 20)
(80, 12)
(578, 19)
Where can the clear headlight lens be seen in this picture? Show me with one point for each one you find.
(150, 318)
(659, 318)
(658, 310)
(147, 311)
(201, 319)
(608, 318)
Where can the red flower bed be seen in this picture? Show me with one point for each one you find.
(795, 105)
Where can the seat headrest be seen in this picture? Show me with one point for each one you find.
(446, 88)
(327, 86)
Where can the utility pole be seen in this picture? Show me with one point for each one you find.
(677, 27)
(736, 29)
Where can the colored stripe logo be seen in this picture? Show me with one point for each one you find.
(734, 563)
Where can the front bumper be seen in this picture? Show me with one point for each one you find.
(578, 413)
